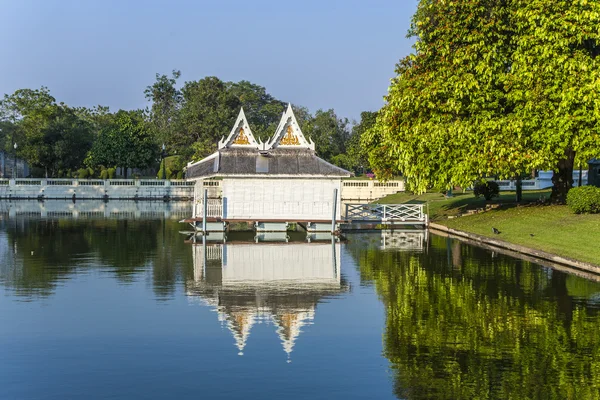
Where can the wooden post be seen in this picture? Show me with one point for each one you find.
(204, 208)
(335, 192)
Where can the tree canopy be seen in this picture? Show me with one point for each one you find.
(190, 119)
(127, 143)
(494, 88)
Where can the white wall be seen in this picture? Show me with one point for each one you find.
(95, 188)
(275, 198)
(355, 190)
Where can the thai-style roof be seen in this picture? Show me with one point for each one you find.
(287, 154)
(279, 161)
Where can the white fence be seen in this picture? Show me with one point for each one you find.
(130, 189)
(369, 190)
(214, 208)
(395, 213)
(94, 209)
(543, 181)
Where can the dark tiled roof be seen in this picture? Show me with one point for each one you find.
(239, 162)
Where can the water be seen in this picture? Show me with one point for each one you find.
(120, 309)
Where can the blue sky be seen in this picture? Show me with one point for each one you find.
(319, 54)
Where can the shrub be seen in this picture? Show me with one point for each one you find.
(111, 173)
(584, 199)
(487, 189)
(83, 173)
(180, 175)
(103, 174)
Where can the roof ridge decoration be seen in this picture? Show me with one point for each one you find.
(241, 135)
(288, 133)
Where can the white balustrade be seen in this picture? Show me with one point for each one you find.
(396, 213)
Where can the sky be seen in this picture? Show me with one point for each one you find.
(325, 54)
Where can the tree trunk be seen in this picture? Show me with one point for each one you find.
(125, 172)
(519, 196)
(563, 178)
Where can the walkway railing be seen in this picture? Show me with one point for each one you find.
(214, 208)
(396, 213)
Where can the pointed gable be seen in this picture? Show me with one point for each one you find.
(240, 135)
(288, 133)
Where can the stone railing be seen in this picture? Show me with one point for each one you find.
(124, 189)
(543, 181)
(369, 190)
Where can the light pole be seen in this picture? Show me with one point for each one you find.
(15, 161)
(164, 167)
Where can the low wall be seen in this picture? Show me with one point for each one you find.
(95, 209)
(543, 181)
(125, 189)
(369, 190)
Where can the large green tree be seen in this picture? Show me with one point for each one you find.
(126, 143)
(166, 101)
(50, 136)
(262, 110)
(208, 113)
(329, 133)
(554, 83)
(485, 93)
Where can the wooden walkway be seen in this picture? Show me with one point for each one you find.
(354, 217)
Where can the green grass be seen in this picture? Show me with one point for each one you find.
(555, 229)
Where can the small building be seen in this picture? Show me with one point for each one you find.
(280, 181)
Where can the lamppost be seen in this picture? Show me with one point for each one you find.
(164, 167)
(15, 161)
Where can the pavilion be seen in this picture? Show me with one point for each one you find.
(272, 183)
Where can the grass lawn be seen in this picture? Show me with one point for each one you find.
(555, 229)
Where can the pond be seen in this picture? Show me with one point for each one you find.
(124, 308)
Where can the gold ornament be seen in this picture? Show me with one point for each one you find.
(241, 138)
(290, 139)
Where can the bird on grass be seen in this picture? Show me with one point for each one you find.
(531, 234)
(496, 231)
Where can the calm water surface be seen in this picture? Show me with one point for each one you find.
(122, 309)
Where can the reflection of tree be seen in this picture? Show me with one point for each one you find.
(490, 327)
(52, 250)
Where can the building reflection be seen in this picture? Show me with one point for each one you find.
(274, 283)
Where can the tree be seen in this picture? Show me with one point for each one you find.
(493, 88)
(166, 101)
(444, 122)
(555, 83)
(50, 135)
(208, 113)
(126, 143)
(262, 110)
(329, 133)
(354, 147)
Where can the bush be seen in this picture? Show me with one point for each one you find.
(83, 173)
(111, 173)
(103, 174)
(584, 200)
(487, 189)
(180, 175)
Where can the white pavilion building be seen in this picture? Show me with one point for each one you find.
(282, 180)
